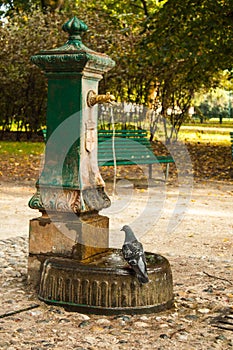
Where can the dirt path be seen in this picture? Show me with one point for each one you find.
(202, 225)
(200, 251)
(15, 213)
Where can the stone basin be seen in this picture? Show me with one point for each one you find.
(105, 284)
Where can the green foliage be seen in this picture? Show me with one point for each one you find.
(216, 103)
(188, 43)
(23, 86)
(179, 45)
(17, 7)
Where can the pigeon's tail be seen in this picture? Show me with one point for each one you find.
(140, 269)
(143, 279)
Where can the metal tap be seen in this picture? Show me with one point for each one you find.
(93, 98)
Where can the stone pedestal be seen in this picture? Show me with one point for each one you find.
(64, 236)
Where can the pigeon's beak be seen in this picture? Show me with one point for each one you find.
(121, 229)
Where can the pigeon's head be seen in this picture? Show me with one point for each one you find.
(125, 228)
(129, 235)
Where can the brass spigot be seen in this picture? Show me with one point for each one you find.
(93, 98)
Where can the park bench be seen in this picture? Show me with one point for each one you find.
(231, 136)
(131, 147)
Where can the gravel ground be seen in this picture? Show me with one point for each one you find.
(200, 251)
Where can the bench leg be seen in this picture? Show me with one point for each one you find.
(167, 171)
(150, 170)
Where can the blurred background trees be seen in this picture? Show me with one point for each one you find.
(168, 54)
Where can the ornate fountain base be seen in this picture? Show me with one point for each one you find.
(104, 284)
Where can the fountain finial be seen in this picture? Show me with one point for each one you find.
(75, 27)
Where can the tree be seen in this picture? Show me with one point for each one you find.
(216, 102)
(22, 81)
(116, 29)
(177, 46)
(188, 43)
(12, 7)
(180, 45)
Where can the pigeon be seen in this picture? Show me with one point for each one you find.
(133, 253)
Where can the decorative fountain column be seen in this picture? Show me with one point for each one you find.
(70, 262)
(70, 187)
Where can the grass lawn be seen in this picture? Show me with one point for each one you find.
(191, 134)
(12, 148)
(22, 149)
(205, 133)
(204, 137)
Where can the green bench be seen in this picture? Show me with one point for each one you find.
(131, 147)
(231, 136)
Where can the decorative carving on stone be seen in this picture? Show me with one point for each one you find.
(36, 202)
(69, 200)
(96, 198)
(90, 139)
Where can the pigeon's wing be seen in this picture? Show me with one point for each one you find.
(134, 255)
(132, 249)
(142, 270)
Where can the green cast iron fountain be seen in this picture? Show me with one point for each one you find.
(70, 262)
